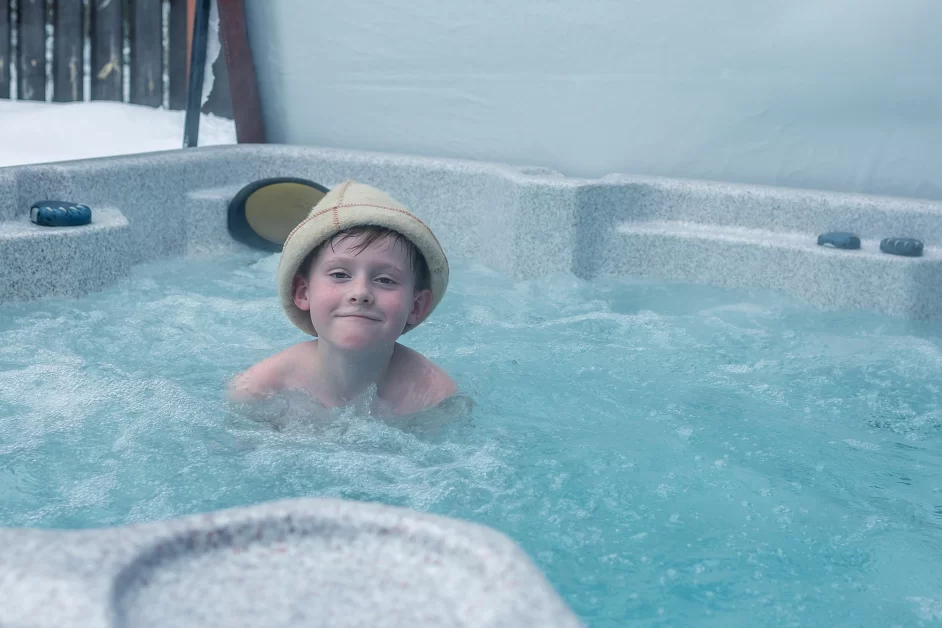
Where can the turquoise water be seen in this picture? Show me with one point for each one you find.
(667, 454)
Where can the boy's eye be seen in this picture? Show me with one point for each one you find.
(385, 280)
(338, 274)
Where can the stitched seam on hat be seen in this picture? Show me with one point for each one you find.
(343, 191)
(336, 222)
(394, 209)
(307, 220)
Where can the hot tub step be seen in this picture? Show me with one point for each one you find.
(207, 232)
(791, 262)
(207, 221)
(783, 210)
(63, 261)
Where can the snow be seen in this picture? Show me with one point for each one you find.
(38, 132)
(34, 132)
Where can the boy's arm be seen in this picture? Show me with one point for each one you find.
(432, 389)
(259, 381)
(442, 387)
(421, 383)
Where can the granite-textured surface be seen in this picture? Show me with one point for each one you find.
(317, 562)
(520, 220)
(305, 562)
(794, 264)
(8, 195)
(40, 261)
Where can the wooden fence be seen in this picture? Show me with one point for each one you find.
(52, 49)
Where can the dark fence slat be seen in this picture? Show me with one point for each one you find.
(178, 57)
(147, 59)
(5, 49)
(107, 50)
(31, 60)
(106, 23)
(68, 37)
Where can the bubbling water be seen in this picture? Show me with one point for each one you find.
(665, 453)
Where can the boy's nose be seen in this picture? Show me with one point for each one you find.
(360, 293)
(361, 298)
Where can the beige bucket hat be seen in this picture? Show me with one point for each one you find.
(353, 204)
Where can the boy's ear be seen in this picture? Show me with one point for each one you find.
(300, 292)
(421, 304)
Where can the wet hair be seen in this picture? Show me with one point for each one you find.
(368, 235)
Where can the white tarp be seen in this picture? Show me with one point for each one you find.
(836, 94)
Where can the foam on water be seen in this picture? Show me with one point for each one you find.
(665, 453)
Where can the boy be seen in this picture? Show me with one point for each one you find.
(357, 273)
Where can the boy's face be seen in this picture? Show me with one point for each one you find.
(361, 299)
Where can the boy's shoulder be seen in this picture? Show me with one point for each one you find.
(415, 382)
(272, 374)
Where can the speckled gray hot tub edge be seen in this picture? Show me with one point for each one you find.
(306, 562)
(524, 221)
(326, 562)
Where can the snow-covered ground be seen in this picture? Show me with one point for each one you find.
(34, 132)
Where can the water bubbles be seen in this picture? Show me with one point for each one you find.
(929, 609)
(613, 418)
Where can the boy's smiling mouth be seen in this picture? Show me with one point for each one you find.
(359, 315)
